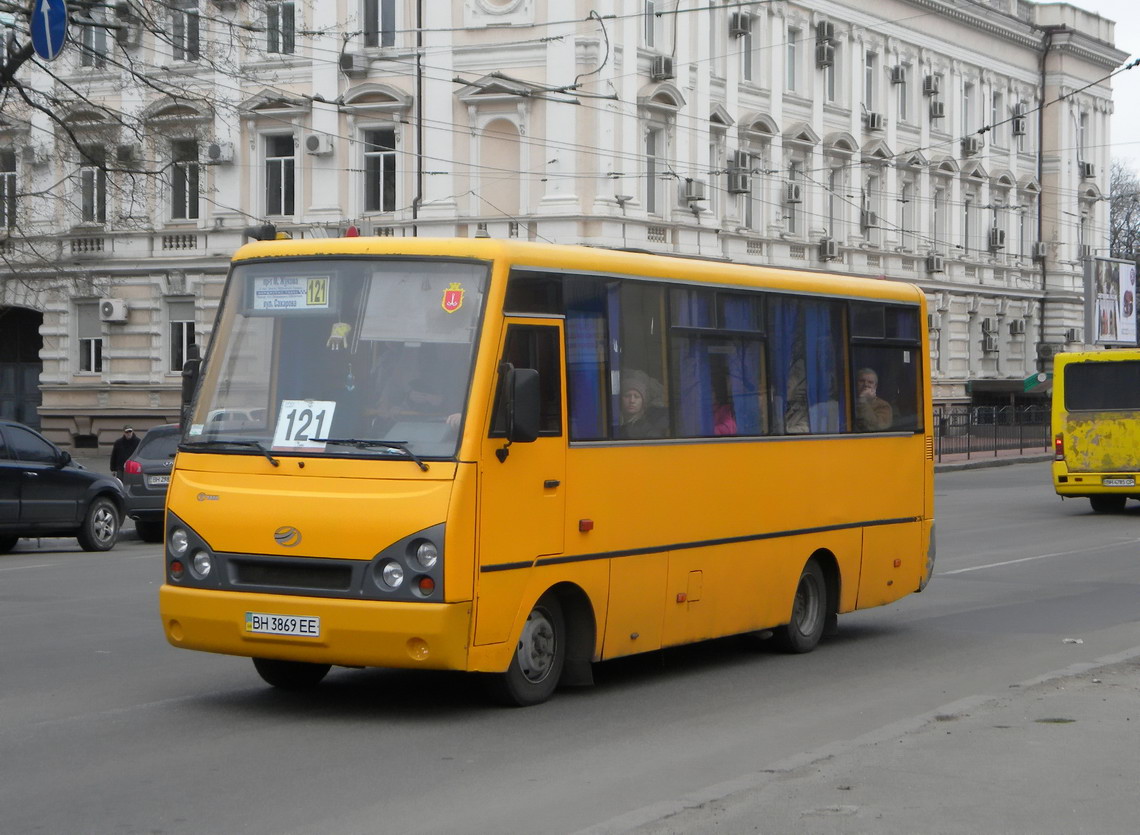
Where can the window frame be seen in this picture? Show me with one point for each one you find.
(185, 31)
(380, 23)
(287, 176)
(281, 28)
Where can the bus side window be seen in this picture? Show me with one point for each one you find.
(534, 346)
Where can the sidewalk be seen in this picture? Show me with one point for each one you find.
(979, 460)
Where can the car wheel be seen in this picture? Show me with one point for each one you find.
(290, 675)
(1108, 503)
(149, 531)
(7, 543)
(540, 654)
(809, 612)
(100, 529)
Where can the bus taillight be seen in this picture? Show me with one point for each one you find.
(1059, 448)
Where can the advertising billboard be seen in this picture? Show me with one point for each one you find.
(1112, 302)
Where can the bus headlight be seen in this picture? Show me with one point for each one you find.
(427, 554)
(201, 564)
(392, 574)
(179, 542)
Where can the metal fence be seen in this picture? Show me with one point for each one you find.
(987, 430)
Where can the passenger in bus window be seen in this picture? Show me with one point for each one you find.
(637, 421)
(872, 413)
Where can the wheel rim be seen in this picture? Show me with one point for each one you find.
(103, 523)
(808, 605)
(537, 646)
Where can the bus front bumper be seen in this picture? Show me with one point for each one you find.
(352, 633)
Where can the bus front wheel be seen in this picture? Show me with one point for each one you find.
(290, 675)
(536, 665)
(1107, 504)
(809, 612)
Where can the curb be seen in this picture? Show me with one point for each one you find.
(983, 463)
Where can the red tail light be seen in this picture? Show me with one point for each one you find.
(1059, 448)
(132, 467)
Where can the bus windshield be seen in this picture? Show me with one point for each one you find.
(362, 357)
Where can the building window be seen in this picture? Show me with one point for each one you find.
(998, 124)
(380, 170)
(90, 333)
(967, 109)
(834, 196)
(93, 184)
(792, 206)
(906, 217)
(281, 28)
(651, 30)
(753, 215)
(969, 222)
(831, 76)
(280, 173)
(791, 59)
(870, 62)
(1082, 135)
(903, 86)
(184, 179)
(184, 30)
(938, 218)
(7, 189)
(872, 208)
(93, 40)
(379, 22)
(654, 169)
(746, 46)
(182, 336)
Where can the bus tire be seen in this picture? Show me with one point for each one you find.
(149, 531)
(100, 529)
(7, 543)
(1107, 504)
(540, 654)
(290, 675)
(809, 612)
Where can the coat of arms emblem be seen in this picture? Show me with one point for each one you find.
(452, 298)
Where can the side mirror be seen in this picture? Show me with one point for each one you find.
(191, 369)
(523, 403)
(62, 458)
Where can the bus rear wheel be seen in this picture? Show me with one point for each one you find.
(290, 675)
(1107, 504)
(536, 666)
(809, 612)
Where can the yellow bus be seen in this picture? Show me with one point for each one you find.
(1096, 427)
(519, 459)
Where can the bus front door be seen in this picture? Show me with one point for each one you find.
(522, 494)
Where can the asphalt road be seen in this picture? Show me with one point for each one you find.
(104, 728)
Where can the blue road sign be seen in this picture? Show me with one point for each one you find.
(49, 27)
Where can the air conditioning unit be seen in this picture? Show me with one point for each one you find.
(1084, 252)
(828, 249)
(662, 68)
(739, 182)
(933, 322)
(217, 153)
(931, 85)
(125, 154)
(694, 191)
(868, 219)
(898, 74)
(997, 239)
(739, 24)
(793, 193)
(876, 121)
(1073, 335)
(1045, 350)
(353, 64)
(318, 144)
(1020, 109)
(1088, 171)
(35, 154)
(937, 109)
(113, 310)
(825, 31)
(989, 344)
(988, 325)
(128, 35)
(1020, 126)
(824, 54)
(935, 264)
(1040, 250)
(971, 146)
(742, 160)
(1017, 327)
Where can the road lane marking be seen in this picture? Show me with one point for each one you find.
(1037, 557)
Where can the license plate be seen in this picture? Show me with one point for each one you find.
(1118, 482)
(157, 480)
(262, 623)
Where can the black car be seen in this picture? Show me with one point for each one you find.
(146, 476)
(44, 493)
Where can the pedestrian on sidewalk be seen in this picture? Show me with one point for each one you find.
(121, 450)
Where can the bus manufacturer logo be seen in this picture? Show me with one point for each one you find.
(287, 536)
(453, 297)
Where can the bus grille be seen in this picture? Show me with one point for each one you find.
(279, 574)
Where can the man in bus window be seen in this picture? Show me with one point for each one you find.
(872, 413)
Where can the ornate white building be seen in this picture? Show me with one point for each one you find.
(963, 147)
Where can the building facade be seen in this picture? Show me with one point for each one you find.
(961, 147)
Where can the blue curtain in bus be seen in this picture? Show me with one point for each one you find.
(585, 360)
(808, 389)
(613, 312)
(825, 386)
(784, 382)
(744, 367)
(695, 396)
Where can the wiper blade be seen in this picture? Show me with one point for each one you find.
(370, 443)
(224, 442)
